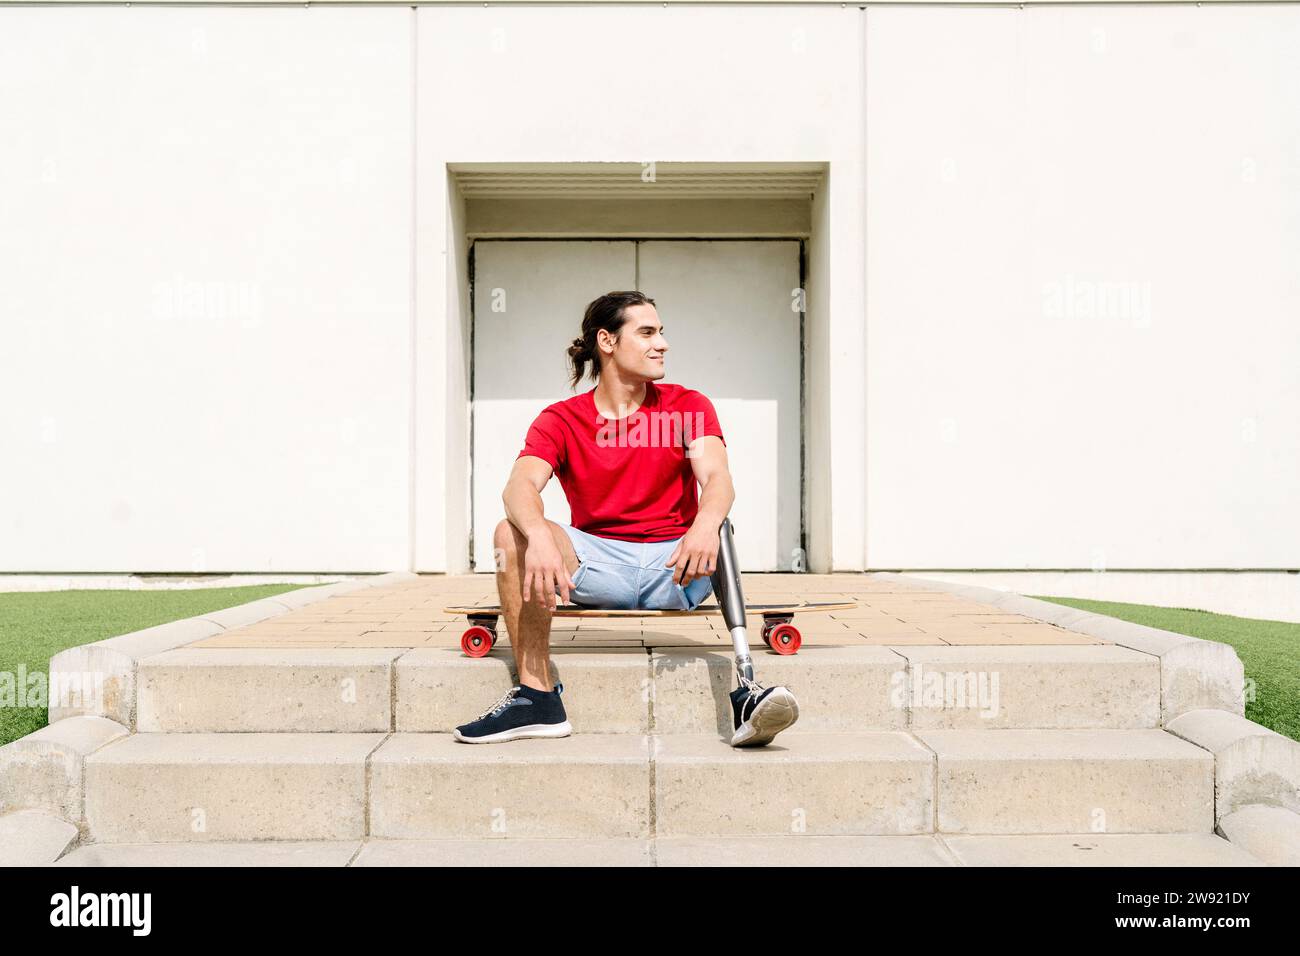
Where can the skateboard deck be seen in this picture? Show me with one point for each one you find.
(573, 610)
(778, 633)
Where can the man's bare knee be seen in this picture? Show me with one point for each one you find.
(510, 544)
(507, 543)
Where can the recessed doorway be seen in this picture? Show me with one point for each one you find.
(733, 312)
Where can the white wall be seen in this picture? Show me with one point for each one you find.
(205, 234)
(1013, 152)
(228, 272)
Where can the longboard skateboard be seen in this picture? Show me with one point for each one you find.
(778, 633)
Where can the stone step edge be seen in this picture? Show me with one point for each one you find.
(934, 757)
(98, 679)
(394, 661)
(1195, 674)
(947, 850)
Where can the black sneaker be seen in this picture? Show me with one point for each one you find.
(522, 711)
(759, 714)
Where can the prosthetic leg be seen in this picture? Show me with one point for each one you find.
(726, 585)
(758, 713)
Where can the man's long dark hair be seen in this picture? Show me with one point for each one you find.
(606, 313)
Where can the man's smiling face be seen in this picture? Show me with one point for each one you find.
(641, 349)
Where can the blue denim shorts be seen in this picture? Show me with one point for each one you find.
(630, 575)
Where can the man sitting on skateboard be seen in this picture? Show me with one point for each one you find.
(628, 454)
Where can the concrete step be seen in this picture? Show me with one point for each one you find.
(207, 787)
(514, 852)
(803, 849)
(991, 687)
(605, 692)
(33, 838)
(257, 853)
(840, 689)
(667, 691)
(431, 786)
(864, 783)
(1071, 781)
(1098, 849)
(853, 689)
(1270, 833)
(1110, 849)
(271, 690)
(232, 786)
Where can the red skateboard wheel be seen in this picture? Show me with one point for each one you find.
(785, 639)
(477, 641)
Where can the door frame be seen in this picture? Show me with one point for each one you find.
(445, 223)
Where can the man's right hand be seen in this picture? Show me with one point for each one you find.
(544, 571)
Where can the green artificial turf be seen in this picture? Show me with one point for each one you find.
(1269, 652)
(36, 625)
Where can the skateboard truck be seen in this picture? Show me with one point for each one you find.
(731, 600)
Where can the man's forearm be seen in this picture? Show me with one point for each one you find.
(716, 499)
(524, 508)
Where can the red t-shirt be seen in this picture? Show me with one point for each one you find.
(628, 478)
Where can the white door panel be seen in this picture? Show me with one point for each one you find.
(732, 334)
(748, 426)
(528, 303)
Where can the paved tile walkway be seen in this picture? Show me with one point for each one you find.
(410, 614)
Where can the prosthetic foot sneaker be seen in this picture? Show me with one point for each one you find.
(760, 713)
(522, 711)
